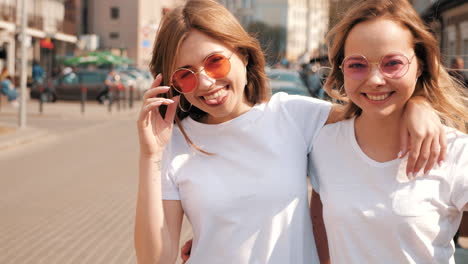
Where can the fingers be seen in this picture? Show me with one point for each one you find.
(171, 110)
(432, 149)
(424, 154)
(185, 251)
(155, 88)
(404, 138)
(152, 104)
(415, 148)
(434, 154)
(443, 146)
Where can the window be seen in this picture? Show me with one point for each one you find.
(115, 12)
(114, 35)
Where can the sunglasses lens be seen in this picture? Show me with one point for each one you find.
(184, 80)
(356, 67)
(394, 66)
(217, 66)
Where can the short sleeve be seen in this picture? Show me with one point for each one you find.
(309, 114)
(312, 172)
(460, 174)
(169, 190)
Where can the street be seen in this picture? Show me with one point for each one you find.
(70, 197)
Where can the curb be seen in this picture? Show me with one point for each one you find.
(21, 136)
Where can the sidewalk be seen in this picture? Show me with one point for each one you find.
(39, 125)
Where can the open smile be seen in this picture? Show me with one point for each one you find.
(378, 98)
(216, 97)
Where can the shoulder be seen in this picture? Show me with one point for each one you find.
(334, 134)
(297, 103)
(337, 127)
(287, 99)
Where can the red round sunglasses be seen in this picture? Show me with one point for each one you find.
(215, 65)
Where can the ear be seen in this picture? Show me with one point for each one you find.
(245, 59)
(420, 68)
(419, 72)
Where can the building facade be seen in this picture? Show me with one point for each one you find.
(127, 27)
(50, 32)
(305, 22)
(449, 21)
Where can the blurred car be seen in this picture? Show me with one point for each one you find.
(142, 79)
(288, 81)
(68, 87)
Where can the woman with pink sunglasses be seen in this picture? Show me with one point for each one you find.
(235, 163)
(382, 55)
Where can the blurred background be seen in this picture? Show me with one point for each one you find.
(73, 72)
(64, 36)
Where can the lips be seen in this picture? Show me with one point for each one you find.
(216, 97)
(378, 97)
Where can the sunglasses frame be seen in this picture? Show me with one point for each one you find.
(202, 69)
(410, 60)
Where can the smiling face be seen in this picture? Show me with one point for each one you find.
(377, 94)
(222, 98)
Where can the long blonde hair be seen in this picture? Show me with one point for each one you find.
(435, 84)
(212, 19)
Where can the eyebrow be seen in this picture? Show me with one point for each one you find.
(214, 52)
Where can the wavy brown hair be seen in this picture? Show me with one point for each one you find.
(435, 84)
(212, 19)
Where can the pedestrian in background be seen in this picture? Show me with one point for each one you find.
(235, 162)
(38, 74)
(456, 70)
(8, 88)
(111, 84)
(382, 55)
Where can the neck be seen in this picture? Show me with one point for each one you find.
(378, 137)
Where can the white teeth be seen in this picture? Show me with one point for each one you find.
(219, 93)
(378, 97)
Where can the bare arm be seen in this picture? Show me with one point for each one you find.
(320, 234)
(157, 222)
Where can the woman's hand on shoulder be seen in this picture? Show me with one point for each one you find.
(422, 135)
(154, 131)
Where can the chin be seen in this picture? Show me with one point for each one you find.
(384, 113)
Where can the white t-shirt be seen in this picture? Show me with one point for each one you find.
(248, 203)
(374, 214)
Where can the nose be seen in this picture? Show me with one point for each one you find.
(204, 80)
(375, 76)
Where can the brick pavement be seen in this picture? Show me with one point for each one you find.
(64, 199)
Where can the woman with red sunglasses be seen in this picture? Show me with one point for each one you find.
(235, 162)
(382, 55)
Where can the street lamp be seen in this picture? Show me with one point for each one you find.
(22, 110)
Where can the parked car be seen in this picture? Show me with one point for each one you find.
(68, 87)
(142, 79)
(288, 81)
